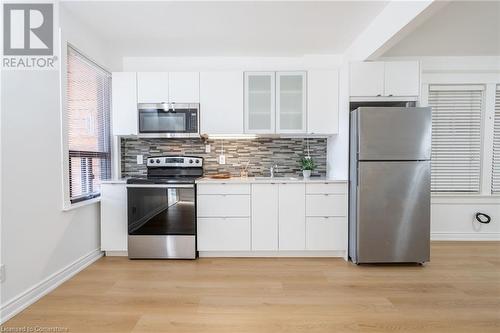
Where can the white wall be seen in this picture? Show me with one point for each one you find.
(452, 215)
(38, 238)
(145, 64)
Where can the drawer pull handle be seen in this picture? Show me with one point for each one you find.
(326, 194)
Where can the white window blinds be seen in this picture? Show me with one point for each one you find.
(456, 137)
(495, 182)
(88, 112)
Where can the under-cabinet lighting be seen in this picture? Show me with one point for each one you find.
(232, 136)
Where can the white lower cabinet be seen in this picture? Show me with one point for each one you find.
(223, 222)
(326, 233)
(114, 217)
(272, 217)
(264, 217)
(292, 217)
(223, 205)
(326, 204)
(223, 234)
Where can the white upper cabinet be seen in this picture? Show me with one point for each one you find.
(384, 79)
(152, 87)
(124, 103)
(323, 102)
(184, 87)
(260, 102)
(221, 101)
(290, 102)
(367, 79)
(402, 78)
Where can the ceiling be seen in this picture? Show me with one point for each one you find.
(158, 28)
(460, 28)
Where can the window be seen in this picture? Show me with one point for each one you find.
(495, 181)
(88, 112)
(456, 137)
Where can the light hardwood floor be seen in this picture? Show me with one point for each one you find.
(458, 291)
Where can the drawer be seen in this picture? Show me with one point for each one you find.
(223, 188)
(223, 205)
(223, 234)
(326, 205)
(326, 233)
(326, 188)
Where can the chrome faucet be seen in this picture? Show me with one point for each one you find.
(273, 169)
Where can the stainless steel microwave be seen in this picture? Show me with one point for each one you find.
(169, 120)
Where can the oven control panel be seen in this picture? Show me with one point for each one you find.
(175, 161)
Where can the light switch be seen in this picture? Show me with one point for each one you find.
(140, 159)
(207, 149)
(222, 159)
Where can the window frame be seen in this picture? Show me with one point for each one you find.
(67, 204)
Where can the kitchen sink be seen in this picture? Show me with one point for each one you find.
(276, 178)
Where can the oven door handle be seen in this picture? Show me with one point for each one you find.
(160, 185)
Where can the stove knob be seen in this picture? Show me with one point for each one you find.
(197, 161)
(190, 161)
(157, 161)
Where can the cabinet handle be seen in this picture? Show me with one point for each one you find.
(390, 95)
(379, 95)
(326, 194)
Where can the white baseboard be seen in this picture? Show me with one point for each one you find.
(116, 253)
(465, 236)
(25, 299)
(265, 254)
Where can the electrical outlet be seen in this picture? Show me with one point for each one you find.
(2, 273)
(207, 149)
(222, 159)
(140, 159)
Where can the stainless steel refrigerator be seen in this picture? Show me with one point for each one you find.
(389, 195)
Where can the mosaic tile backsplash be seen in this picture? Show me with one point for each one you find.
(261, 152)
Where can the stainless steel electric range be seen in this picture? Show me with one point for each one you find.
(162, 209)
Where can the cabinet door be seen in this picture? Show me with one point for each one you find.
(223, 234)
(124, 103)
(259, 102)
(326, 205)
(223, 205)
(291, 102)
(323, 102)
(367, 79)
(152, 87)
(326, 233)
(221, 100)
(114, 217)
(264, 217)
(292, 216)
(184, 87)
(402, 78)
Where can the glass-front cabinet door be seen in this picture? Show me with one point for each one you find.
(259, 102)
(290, 102)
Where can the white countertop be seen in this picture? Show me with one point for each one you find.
(257, 180)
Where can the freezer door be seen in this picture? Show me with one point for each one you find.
(394, 133)
(393, 212)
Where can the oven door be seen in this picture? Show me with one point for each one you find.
(161, 221)
(162, 120)
(161, 209)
